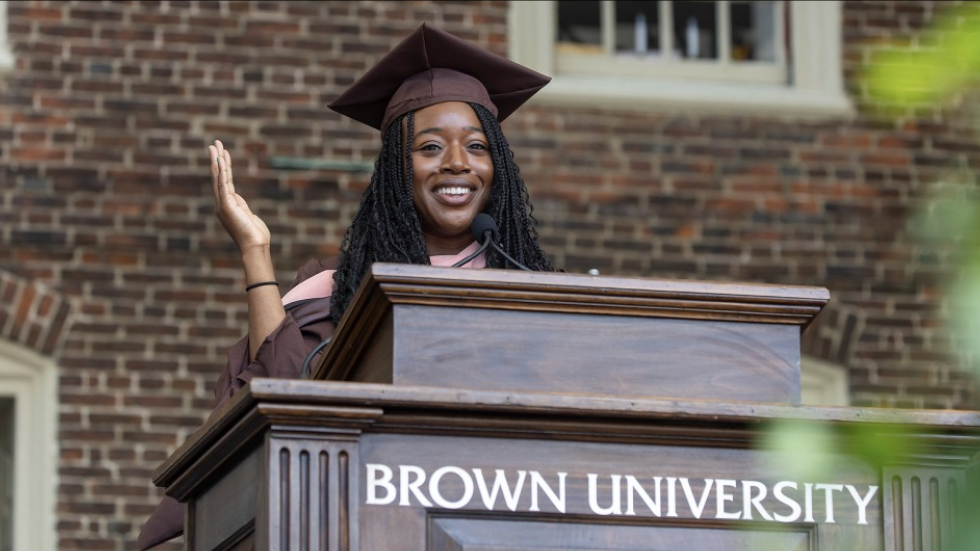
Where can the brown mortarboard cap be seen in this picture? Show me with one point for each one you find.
(433, 66)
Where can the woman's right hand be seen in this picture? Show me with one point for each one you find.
(247, 230)
(250, 233)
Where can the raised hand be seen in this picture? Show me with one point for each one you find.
(245, 228)
(265, 311)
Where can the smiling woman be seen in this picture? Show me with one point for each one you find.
(452, 174)
(438, 102)
(476, 89)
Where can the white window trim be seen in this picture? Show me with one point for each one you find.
(817, 89)
(30, 379)
(6, 56)
(823, 383)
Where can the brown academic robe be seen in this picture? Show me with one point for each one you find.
(281, 355)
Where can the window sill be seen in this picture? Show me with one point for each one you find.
(715, 98)
(6, 60)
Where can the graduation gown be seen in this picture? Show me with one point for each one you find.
(281, 355)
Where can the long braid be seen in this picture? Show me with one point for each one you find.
(509, 204)
(386, 227)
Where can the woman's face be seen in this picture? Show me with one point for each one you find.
(452, 174)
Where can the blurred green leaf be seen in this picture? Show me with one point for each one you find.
(964, 300)
(950, 217)
(939, 66)
(804, 447)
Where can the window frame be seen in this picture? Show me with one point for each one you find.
(721, 68)
(30, 380)
(815, 88)
(6, 55)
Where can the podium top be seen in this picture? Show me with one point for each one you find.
(741, 331)
(512, 289)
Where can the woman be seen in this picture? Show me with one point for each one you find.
(438, 102)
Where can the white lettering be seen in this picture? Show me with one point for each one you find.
(500, 484)
(412, 485)
(780, 501)
(829, 490)
(373, 483)
(862, 502)
(615, 508)
(783, 498)
(749, 502)
(537, 481)
(632, 485)
(437, 494)
(808, 501)
(721, 497)
(671, 496)
(696, 507)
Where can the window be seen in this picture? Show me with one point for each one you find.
(6, 474)
(697, 40)
(28, 449)
(6, 58)
(765, 56)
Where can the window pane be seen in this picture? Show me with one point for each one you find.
(6, 474)
(695, 28)
(638, 27)
(753, 31)
(579, 27)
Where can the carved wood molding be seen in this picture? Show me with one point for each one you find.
(312, 495)
(575, 293)
(237, 430)
(921, 507)
(941, 438)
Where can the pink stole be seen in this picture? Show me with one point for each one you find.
(321, 285)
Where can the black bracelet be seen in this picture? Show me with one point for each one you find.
(259, 284)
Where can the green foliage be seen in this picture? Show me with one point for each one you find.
(810, 450)
(936, 68)
(939, 67)
(948, 226)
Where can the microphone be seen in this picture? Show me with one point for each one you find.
(484, 229)
(482, 224)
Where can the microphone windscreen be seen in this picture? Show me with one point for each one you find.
(482, 224)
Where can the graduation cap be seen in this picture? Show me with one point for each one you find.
(432, 66)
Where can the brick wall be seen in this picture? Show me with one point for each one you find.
(106, 207)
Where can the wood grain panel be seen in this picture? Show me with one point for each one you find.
(573, 353)
(612, 463)
(226, 514)
(447, 533)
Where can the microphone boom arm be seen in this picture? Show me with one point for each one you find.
(484, 230)
(478, 252)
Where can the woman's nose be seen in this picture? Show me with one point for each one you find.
(455, 159)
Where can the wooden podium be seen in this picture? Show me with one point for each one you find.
(489, 410)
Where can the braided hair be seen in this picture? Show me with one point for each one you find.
(386, 227)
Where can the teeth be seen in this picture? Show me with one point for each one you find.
(458, 190)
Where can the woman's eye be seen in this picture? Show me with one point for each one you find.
(480, 146)
(429, 147)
